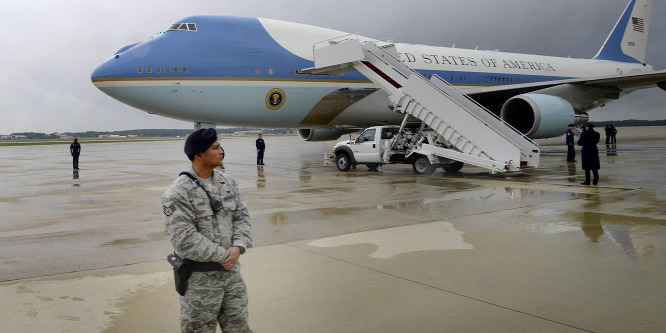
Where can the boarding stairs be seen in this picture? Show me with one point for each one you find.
(476, 135)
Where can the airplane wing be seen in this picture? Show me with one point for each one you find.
(609, 87)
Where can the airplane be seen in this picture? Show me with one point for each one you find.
(245, 72)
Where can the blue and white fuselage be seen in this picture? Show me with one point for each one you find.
(238, 71)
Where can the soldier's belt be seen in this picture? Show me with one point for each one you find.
(183, 268)
(198, 266)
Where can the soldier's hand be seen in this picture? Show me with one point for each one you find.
(233, 253)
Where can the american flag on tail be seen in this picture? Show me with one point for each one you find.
(639, 24)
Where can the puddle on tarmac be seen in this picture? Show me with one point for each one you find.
(286, 226)
(635, 236)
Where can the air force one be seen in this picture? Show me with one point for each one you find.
(247, 72)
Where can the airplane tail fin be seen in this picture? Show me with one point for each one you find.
(628, 40)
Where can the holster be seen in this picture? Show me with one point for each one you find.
(181, 272)
(183, 268)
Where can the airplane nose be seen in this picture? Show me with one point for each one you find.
(102, 76)
(107, 72)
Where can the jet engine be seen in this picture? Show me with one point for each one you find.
(320, 134)
(540, 116)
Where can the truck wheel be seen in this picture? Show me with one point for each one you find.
(453, 167)
(373, 166)
(422, 166)
(342, 162)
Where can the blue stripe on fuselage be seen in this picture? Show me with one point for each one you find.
(232, 48)
(227, 47)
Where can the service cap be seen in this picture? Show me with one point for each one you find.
(200, 140)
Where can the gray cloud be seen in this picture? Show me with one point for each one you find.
(51, 47)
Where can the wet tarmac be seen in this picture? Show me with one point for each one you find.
(362, 251)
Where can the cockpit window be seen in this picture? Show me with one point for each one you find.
(181, 26)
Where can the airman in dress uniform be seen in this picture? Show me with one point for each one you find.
(571, 152)
(589, 154)
(207, 222)
(75, 150)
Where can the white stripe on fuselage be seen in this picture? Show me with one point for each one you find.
(300, 38)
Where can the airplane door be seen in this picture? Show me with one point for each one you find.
(365, 147)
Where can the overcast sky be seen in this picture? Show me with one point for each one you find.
(49, 48)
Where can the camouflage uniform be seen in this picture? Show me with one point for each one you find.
(198, 233)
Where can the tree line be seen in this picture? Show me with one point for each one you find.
(172, 133)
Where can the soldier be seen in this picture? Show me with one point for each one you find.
(589, 154)
(571, 152)
(261, 147)
(613, 132)
(207, 222)
(75, 150)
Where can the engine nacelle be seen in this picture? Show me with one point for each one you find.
(320, 134)
(540, 116)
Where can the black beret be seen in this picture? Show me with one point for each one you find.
(591, 125)
(200, 140)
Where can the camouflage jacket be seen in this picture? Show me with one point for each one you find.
(194, 229)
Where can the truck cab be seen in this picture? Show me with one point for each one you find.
(373, 147)
(366, 149)
(380, 145)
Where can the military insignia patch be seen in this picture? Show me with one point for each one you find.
(169, 210)
(275, 99)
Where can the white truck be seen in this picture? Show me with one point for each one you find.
(389, 144)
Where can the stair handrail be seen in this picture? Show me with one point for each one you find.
(483, 107)
(410, 71)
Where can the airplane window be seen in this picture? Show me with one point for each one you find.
(181, 26)
(158, 70)
(257, 71)
(184, 69)
(291, 71)
(172, 27)
(270, 71)
(175, 69)
(139, 69)
(167, 69)
(149, 70)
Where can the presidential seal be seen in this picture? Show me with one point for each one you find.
(275, 99)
